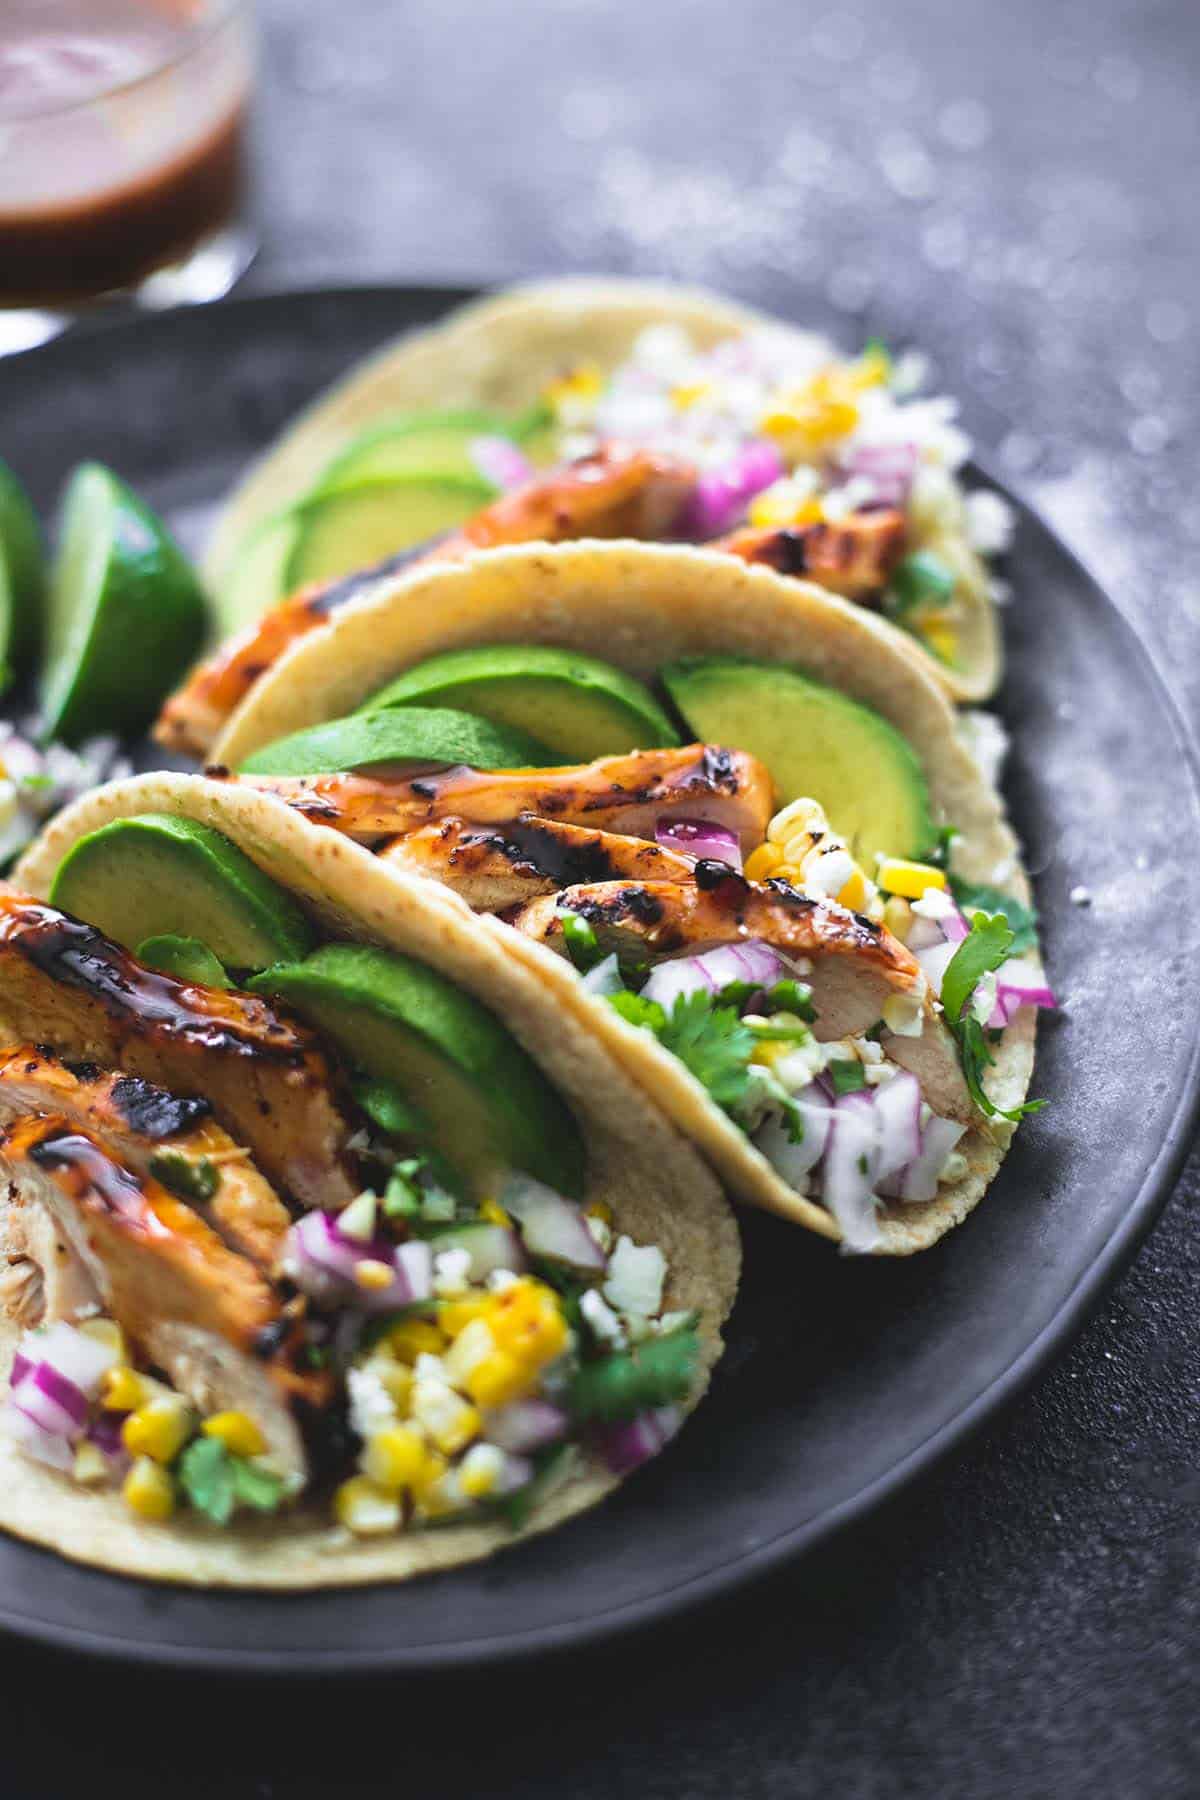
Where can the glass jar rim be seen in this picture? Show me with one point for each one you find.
(218, 14)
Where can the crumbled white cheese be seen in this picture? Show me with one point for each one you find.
(991, 522)
(826, 875)
(904, 1014)
(1080, 896)
(601, 1231)
(983, 1000)
(451, 1269)
(472, 1346)
(636, 1273)
(602, 1321)
(371, 1405)
(499, 1279)
(935, 903)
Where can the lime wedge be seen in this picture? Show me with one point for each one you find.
(22, 577)
(126, 614)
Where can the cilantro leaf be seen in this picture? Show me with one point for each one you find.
(922, 579)
(712, 1042)
(254, 1486)
(986, 946)
(192, 1178)
(847, 1075)
(206, 1477)
(579, 935)
(973, 897)
(656, 1372)
(790, 996)
(708, 1038)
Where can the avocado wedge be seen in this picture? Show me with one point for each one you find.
(186, 958)
(816, 742)
(155, 876)
(349, 526)
(429, 444)
(399, 740)
(578, 706)
(489, 1107)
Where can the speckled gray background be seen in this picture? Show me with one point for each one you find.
(1015, 186)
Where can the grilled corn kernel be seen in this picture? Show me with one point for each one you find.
(897, 916)
(472, 1345)
(148, 1490)
(687, 394)
(455, 1315)
(108, 1333)
(528, 1323)
(448, 1419)
(123, 1389)
(394, 1458)
(909, 879)
(854, 893)
(365, 1509)
(494, 1213)
(763, 862)
(374, 1275)
(159, 1429)
(480, 1471)
(942, 639)
(237, 1431)
(416, 1337)
(873, 368)
(397, 1379)
(805, 815)
(499, 1379)
(598, 1209)
(91, 1465)
(436, 1494)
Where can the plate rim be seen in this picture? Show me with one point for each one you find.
(749, 1566)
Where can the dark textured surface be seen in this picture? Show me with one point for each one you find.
(1015, 187)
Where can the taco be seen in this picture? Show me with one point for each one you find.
(331, 1252)
(615, 408)
(794, 741)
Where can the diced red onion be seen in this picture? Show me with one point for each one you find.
(499, 461)
(712, 970)
(793, 1161)
(700, 840)
(35, 1440)
(721, 496)
(551, 1226)
(526, 1425)
(934, 963)
(919, 1179)
(888, 467)
(604, 979)
(21, 1366)
(323, 1264)
(105, 1432)
(517, 1473)
(955, 926)
(79, 1358)
(849, 1172)
(62, 1396)
(897, 1107)
(1018, 984)
(627, 1446)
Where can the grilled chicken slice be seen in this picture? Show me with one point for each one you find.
(268, 1081)
(857, 966)
(147, 1128)
(494, 869)
(618, 492)
(625, 794)
(192, 1306)
(854, 558)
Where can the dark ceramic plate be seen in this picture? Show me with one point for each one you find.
(843, 1378)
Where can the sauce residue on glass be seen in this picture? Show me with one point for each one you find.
(121, 138)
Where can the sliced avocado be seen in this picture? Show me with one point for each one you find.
(816, 742)
(345, 528)
(257, 578)
(401, 738)
(154, 875)
(578, 706)
(489, 1106)
(427, 444)
(186, 958)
